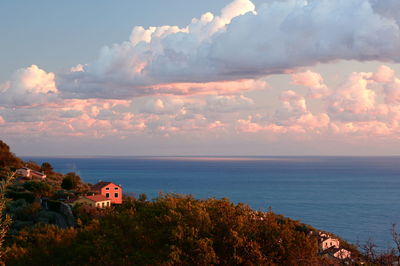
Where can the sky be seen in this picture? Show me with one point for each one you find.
(178, 77)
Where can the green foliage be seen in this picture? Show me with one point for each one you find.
(32, 165)
(170, 230)
(142, 197)
(53, 205)
(46, 168)
(5, 219)
(39, 188)
(27, 212)
(70, 181)
(28, 196)
(39, 239)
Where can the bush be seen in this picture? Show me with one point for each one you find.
(28, 196)
(46, 168)
(7, 158)
(28, 212)
(70, 181)
(39, 188)
(53, 205)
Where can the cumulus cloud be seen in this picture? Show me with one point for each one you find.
(292, 105)
(384, 74)
(392, 92)
(162, 106)
(219, 103)
(354, 99)
(192, 79)
(29, 86)
(314, 82)
(242, 42)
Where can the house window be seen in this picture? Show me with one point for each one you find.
(107, 188)
(108, 203)
(115, 188)
(107, 195)
(116, 195)
(102, 205)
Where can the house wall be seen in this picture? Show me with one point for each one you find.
(40, 176)
(112, 192)
(99, 204)
(330, 242)
(342, 254)
(24, 172)
(103, 204)
(28, 173)
(84, 201)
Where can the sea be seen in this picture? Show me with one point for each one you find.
(356, 198)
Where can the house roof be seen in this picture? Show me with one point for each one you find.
(97, 198)
(32, 171)
(332, 250)
(102, 184)
(37, 173)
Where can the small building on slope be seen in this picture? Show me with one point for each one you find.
(98, 201)
(30, 174)
(109, 190)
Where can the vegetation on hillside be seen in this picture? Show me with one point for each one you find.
(169, 230)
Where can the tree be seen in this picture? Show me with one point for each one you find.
(5, 220)
(7, 158)
(70, 181)
(396, 240)
(32, 165)
(46, 168)
(40, 189)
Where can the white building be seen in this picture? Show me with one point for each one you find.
(342, 254)
(329, 242)
(30, 174)
(331, 246)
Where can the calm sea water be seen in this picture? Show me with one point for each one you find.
(355, 197)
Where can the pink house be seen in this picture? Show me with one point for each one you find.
(109, 190)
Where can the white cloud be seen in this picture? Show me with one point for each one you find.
(293, 105)
(354, 100)
(243, 42)
(165, 105)
(314, 82)
(29, 86)
(219, 103)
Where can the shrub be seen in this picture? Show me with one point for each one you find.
(70, 181)
(39, 188)
(53, 205)
(28, 196)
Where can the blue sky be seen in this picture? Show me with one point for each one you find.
(240, 77)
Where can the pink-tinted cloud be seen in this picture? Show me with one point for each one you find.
(365, 105)
(242, 42)
(29, 86)
(312, 80)
(354, 100)
(221, 87)
(384, 74)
